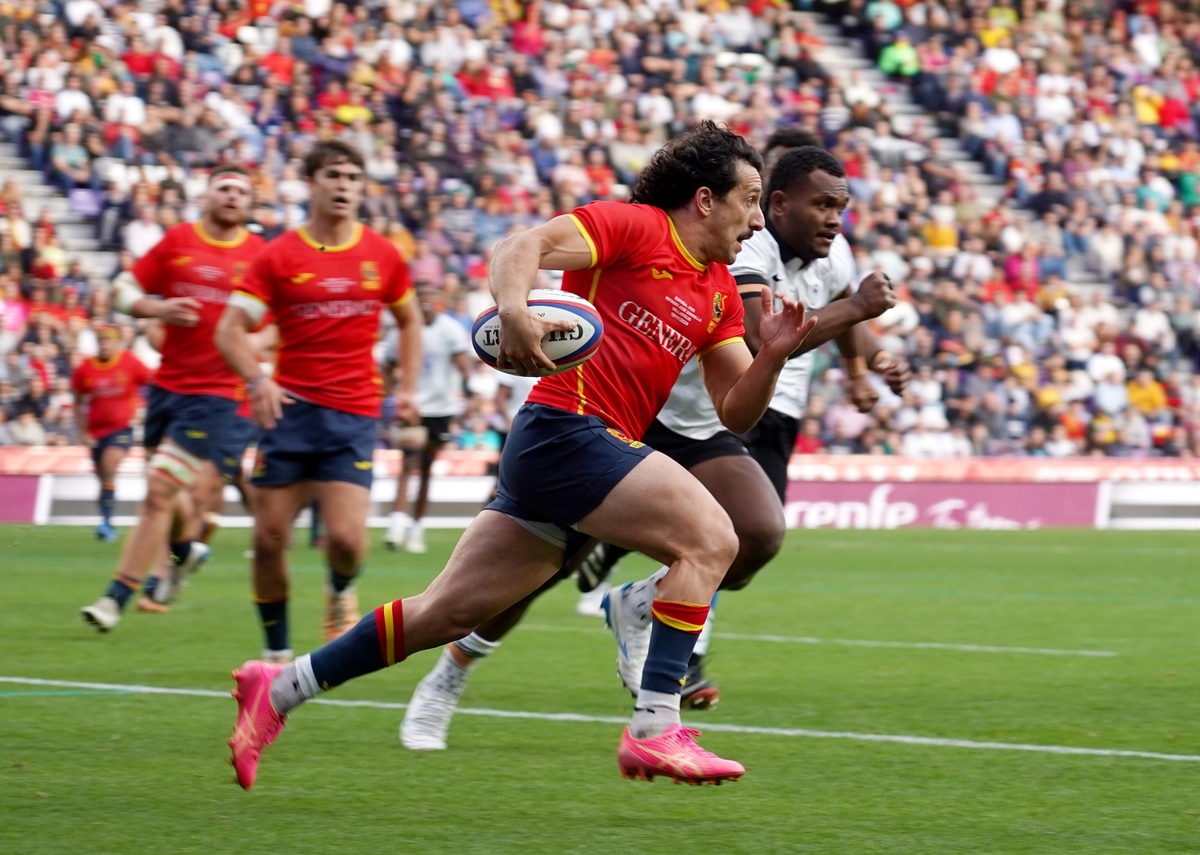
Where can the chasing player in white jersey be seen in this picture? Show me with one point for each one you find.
(444, 348)
(806, 195)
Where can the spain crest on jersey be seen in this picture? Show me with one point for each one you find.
(239, 271)
(718, 310)
(369, 271)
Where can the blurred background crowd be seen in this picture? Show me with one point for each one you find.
(1028, 173)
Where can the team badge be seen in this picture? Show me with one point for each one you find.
(239, 270)
(369, 271)
(632, 443)
(718, 310)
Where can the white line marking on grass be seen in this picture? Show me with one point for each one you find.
(999, 547)
(851, 642)
(930, 741)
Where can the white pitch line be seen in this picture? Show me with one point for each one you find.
(852, 642)
(933, 742)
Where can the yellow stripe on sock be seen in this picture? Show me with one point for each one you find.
(674, 623)
(389, 634)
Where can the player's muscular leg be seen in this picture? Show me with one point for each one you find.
(495, 565)
(661, 510)
(742, 488)
(499, 626)
(274, 515)
(344, 507)
(422, 503)
(146, 543)
(411, 463)
(169, 470)
(110, 461)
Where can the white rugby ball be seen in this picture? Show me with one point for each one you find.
(566, 348)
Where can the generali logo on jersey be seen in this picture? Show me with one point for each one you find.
(655, 328)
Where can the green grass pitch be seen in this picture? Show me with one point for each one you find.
(1049, 639)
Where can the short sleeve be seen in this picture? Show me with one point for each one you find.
(257, 290)
(615, 231)
(729, 315)
(398, 288)
(752, 267)
(148, 270)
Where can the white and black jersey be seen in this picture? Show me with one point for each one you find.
(764, 260)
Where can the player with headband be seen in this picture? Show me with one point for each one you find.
(185, 282)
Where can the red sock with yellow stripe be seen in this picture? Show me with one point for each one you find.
(674, 628)
(374, 643)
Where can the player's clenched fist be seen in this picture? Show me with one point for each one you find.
(862, 393)
(875, 295)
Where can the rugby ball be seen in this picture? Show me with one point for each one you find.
(566, 348)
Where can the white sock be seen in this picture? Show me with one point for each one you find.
(295, 684)
(640, 596)
(654, 713)
(705, 634)
(398, 522)
(476, 646)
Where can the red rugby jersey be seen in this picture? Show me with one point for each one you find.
(326, 303)
(660, 308)
(189, 263)
(111, 389)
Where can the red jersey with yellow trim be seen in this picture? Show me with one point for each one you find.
(189, 263)
(112, 391)
(326, 303)
(660, 308)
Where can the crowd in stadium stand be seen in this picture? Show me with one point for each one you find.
(484, 116)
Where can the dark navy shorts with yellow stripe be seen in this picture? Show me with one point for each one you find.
(196, 423)
(241, 432)
(122, 439)
(557, 467)
(315, 443)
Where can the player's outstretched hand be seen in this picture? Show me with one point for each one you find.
(180, 311)
(895, 371)
(875, 294)
(785, 330)
(267, 401)
(406, 409)
(521, 334)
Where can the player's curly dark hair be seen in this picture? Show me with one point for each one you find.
(329, 152)
(704, 156)
(790, 138)
(800, 162)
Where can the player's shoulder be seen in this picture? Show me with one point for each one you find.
(607, 211)
(760, 254)
(180, 234)
(841, 259)
(376, 244)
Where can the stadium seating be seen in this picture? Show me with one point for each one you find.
(1031, 180)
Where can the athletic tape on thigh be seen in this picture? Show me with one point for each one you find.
(179, 465)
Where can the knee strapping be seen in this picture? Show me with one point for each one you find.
(176, 464)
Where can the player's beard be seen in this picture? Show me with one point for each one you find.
(226, 219)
